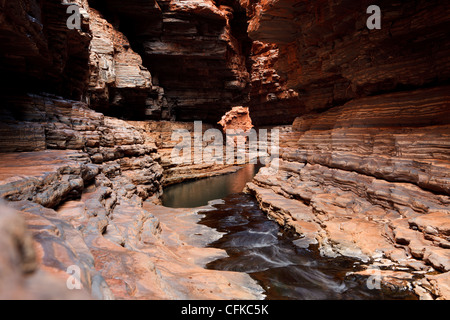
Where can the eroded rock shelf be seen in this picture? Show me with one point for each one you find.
(87, 117)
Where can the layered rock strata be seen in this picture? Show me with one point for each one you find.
(81, 191)
(196, 51)
(79, 179)
(118, 79)
(271, 101)
(200, 165)
(363, 172)
(37, 123)
(329, 56)
(39, 52)
(368, 156)
(119, 248)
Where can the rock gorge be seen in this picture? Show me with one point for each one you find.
(87, 117)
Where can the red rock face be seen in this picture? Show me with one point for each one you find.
(118, 80)
(160, 133)
(81, 190)
(236, 123)
(271, 101)
(196, 51)
(329, 55)
(182, 59)
(238, 119)
(368, 157)
(39, 52)
(363, 172)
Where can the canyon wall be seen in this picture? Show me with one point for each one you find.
(79, 185)
(198, 166)
(329, 55)
(76, 182)
(196, 51)
(365, 158)
(183, 60)
(365, 170)
(39, 52)
(271, 101)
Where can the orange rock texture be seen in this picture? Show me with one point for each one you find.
(368, 155)
(86, 118)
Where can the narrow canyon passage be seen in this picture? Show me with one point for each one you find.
(350, 100)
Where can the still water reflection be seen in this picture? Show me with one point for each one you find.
(198, 193)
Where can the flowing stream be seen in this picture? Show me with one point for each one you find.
(259, 247)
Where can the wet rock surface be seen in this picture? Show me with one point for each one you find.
(368, 154)
(365, 148)
(81, 193)
(361, 209)
(22, 274)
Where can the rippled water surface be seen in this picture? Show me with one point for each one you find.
(259, 247)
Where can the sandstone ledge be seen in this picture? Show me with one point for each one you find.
(81, 192)
(125, 248)
(345, 222)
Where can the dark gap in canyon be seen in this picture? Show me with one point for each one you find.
(49, 58)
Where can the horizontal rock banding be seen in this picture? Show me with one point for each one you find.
(368, 158)
(81, 192)
(328, 54)
(364, 170)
